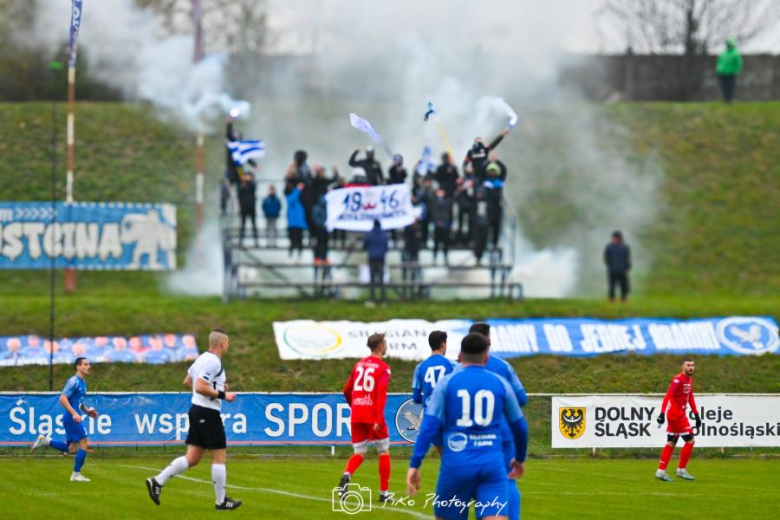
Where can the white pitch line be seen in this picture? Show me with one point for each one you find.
(279, 492)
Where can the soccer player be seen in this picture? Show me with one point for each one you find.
(430, 371)
(505, 370)
(72, 399)
(467, 407)
(675, 404)
(366, 393)
(209, 388)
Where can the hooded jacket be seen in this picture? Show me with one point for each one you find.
(730, 61)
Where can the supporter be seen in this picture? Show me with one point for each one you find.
(272, 207)
(477, 155)
(441, 215)
(320, 232)
(370, 165)
(425, 195)
(447, 175)
(424, 168)
(298, 172)
(321, 182)
(296, 220)
(397, 173)
(494, 193)
(358, 180)
(376, 245)
(247, 201)
(617, 257)
(464, 196)
(411, 256)
(480, 220)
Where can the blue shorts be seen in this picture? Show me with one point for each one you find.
(74, 431)
(463, 480)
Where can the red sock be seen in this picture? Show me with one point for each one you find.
(665, 456)
(354, 463)
(685, 455)
(384, 472)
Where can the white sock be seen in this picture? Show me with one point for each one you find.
(219, 477)
(174, 468)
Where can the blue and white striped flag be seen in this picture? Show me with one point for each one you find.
(242, 151)
(75, 24)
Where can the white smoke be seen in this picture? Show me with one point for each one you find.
(128, 48)
(384, 61)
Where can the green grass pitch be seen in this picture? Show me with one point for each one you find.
(300, 488)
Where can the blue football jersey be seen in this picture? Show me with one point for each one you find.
(75, 391)
(505, 370)
(426, 374)
(468, 406)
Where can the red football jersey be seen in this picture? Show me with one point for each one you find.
(366, 390)
(679, 395)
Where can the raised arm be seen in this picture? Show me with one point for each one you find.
(417, 395)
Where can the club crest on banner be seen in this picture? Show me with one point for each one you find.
(748, 335)
(408, 420)
(571, 421)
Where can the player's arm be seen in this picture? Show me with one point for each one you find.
(432, 423)
(381, 398)
(65, 404)
(417, 395)
(517, 387)
(204, 387)
(187, 381)
(519, 426)
(667, 398)
(695, 409)
(87, 410)
(348, 387)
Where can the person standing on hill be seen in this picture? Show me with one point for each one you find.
(617, 256)
(728, 68)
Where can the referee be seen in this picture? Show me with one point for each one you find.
(208, 381)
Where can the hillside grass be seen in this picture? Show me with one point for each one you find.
(253, 362)
(714, 248)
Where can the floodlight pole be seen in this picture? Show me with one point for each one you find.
(54, 66)
(70, 273)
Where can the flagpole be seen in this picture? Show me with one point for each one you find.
(75, 24)
(197, 55)
(54, 66)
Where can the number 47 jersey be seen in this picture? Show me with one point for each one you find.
(366, 390)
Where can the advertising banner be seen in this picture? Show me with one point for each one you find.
(147, 348)
(88, 235)
(577, 337)
(161, 418)
(611, 421)
(356, 209)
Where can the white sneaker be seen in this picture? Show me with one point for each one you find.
(41, 441)
(78, 477)
(661, 475)
(683, 473)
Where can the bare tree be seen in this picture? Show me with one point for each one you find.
(691, 28)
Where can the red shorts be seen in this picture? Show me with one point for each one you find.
(363, 433)
(679, 426)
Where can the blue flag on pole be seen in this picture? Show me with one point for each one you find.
(75, 24)
(242, 151)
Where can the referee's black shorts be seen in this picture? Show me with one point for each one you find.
(206, 429)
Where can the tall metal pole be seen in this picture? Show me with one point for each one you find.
(54, 66)
(197, 16)
(70, 273)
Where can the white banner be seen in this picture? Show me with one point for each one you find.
(355, 209)
(406, 339)
(609, 421)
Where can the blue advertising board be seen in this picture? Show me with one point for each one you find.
(88, 235)
(161, 418)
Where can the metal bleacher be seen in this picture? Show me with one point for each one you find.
(262, 267)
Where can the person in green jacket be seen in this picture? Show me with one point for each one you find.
(728, 68)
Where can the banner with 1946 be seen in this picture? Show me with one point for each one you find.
(356, 209)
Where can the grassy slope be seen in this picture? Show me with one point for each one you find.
(715, 240)
(550, 489)
(254, 365)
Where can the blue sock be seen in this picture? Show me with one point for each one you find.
(513, 504)
(59, 445)
(81, 458)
